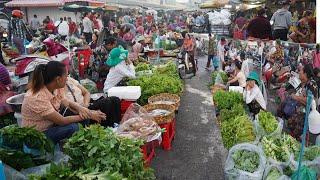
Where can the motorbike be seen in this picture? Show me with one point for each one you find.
(185, 65)
(25, 65)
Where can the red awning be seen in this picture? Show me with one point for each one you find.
(46, 3)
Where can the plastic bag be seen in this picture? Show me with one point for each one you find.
(89, 85)
(138, 124)
(305, 174)
(218, 79)
(279, 169)
(232, 173)
(261, 132)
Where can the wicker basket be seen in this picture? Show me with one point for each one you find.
(161, 119)
(165, 97)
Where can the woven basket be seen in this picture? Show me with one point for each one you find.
(161, 119)
(165, 97)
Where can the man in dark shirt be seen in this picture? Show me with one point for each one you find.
(260, 27)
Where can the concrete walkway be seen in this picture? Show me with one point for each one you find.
(197, 151)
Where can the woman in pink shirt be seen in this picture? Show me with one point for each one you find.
(316, 57)
(43, 100)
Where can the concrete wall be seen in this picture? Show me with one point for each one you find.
(53, 12)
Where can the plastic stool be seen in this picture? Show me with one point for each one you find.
(148, 152)
(168, 136)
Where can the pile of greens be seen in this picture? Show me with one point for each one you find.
(169, 68)
(223, 76)
(237, 131)
(142, 67)
(310, 154)
(273, 174)
(280, 148)
(156, 84)
(226, 100)
(267, 121)
(62, 171)
(236, 110)
(246, 160)
(14, 140)
(96, 150)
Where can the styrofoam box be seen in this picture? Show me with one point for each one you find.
(125, 92)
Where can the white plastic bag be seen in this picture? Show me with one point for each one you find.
(138, 124)
(236, 174)
(271, 167)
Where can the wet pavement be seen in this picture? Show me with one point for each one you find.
(197, 151)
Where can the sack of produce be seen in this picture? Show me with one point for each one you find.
(237, 131)
(138, 124)
(245, 162)
(311, 158)
(216, 80)
(280, 150)
(89, 85)
(267, 125)
(274, 172)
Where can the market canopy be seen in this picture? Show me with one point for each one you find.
(79, 8)
(214, 4)
(49, 3)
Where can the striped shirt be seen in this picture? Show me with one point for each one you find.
(17, 28)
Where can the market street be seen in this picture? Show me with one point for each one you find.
(197, 151)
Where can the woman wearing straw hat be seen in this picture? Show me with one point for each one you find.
(121, 67)
(253, 95)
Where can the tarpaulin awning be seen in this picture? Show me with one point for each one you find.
(34, 3)
(214, 4)
(48, 3)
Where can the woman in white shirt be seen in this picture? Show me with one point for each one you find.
(253, 95)
(239, 79)
(121, 67)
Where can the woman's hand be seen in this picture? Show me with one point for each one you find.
(84, 113)
(97, 116)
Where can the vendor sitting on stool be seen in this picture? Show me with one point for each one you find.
(238, 78)
(121, 67)
(253, 95)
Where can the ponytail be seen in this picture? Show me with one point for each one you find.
(37, 81)
(45, 74)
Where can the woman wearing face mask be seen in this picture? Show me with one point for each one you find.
(43, 100)
(253, 95)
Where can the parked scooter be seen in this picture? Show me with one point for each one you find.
(25, 65)
(185, 65)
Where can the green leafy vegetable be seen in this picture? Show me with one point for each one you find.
(156, 84)
(279, 148)
(62, 171)
(142, 67)
(310, 153)
(237, 131)
(96, 149)
(236, 110)
(246, 160)
(274, 174)
(226, 100)
(267, 121)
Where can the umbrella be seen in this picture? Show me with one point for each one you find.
(74, 8)
(79, 8)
